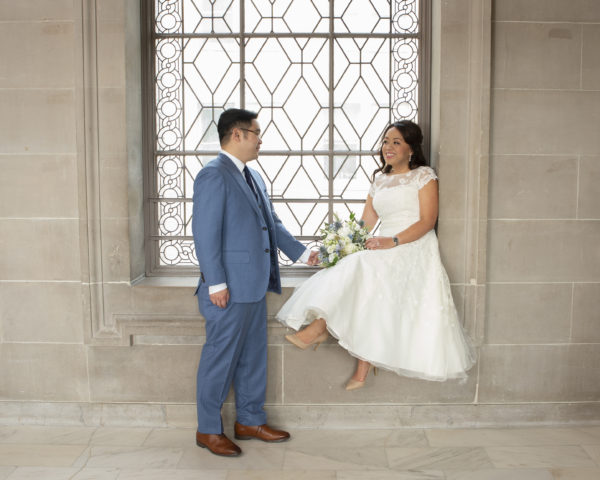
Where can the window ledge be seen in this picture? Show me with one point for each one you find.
(288, 280)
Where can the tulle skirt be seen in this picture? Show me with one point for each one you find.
(392, 308)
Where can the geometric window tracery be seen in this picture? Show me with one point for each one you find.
(325, 78)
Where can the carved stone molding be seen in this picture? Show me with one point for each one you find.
(480, 52)
(464, 126)
(101, 325)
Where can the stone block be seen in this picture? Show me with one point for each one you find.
(539, 373)
(546, 11)
(590, 68)
(545, 122)
(37, 54)
(586, 313)
(454, 53)
(536, 55)
(41, 312)
(452, 179)
(533, 187)
(38, 186)
(454, 118)
(589, 188)
(37, 121)
(451, 235)
(543, 251)
(528, 313)
(39, 250)
(37, 10)
(46, 372)
(164, 300)
(143, 373)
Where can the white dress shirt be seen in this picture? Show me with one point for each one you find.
(240, 165)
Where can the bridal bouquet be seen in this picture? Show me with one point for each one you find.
(341, 238)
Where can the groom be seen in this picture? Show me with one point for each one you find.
(237, 234)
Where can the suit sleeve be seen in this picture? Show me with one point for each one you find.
(207, 224)
(285, 240)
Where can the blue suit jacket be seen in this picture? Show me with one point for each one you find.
(231, 233)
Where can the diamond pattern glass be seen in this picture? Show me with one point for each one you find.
(325, 78)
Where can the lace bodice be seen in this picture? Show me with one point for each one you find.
(419, 177)
(396, 198)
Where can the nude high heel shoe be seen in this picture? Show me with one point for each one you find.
(356, 384)
(300, 344)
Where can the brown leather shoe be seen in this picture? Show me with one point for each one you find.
(218, 444)
(260, 432)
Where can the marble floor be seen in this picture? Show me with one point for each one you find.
(103, 453)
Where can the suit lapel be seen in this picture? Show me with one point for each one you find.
(239, 180)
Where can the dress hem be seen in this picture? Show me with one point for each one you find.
(312, 313)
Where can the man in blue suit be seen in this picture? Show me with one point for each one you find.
(237, 234)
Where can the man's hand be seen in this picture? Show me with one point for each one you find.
(313, 259)
(220, 298)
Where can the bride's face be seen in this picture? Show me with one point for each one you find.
(396, 152)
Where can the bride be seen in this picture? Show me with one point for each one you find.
(389, 305)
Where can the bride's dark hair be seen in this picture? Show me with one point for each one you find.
(412, 135)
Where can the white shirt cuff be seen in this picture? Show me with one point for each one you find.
(304, 257)
(216, 288)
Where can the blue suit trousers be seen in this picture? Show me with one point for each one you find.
(235, 353)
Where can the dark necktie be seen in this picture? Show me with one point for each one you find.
(249, 181)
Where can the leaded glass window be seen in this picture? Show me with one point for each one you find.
(325, 78)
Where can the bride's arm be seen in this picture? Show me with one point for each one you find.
(428, 207)
(369, 215)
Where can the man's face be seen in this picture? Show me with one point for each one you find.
(250, 141)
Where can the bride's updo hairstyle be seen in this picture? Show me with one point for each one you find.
(411, 133)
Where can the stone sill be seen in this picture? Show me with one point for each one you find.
(288, 280)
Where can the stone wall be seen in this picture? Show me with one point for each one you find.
(516, 96)
(543, 321)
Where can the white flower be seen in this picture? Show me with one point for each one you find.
(345, 231)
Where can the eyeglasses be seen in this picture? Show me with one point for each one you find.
(255, 132)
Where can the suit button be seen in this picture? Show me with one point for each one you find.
(266, 250)
(264, 228)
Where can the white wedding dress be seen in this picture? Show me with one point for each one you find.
(390, 307)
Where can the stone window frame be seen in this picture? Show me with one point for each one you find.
(133, 302)
(150, 152)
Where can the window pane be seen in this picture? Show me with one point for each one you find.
(326, 77)
(286, 16)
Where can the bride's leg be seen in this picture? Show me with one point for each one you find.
(362, 370)
(360, 375)
(312, 331)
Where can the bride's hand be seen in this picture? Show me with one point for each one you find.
(379, 243)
